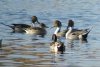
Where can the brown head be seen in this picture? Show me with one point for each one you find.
(35, 19)
(57, 23)
(70, 23)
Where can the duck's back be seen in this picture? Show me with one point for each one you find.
(21, 25)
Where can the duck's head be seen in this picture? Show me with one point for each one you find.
(70, 23)
(35, 19)
(42, 25)
(57, 23)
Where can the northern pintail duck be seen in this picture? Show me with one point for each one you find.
(57, 46)
(37, 30)
(20, 27)
(74, 34)
(58, 31)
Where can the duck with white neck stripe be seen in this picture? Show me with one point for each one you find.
(75, 34)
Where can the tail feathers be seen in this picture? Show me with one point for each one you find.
(84, 36)
(7, 25)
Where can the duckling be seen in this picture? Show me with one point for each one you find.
(57, 46)
(37, 30)
(19, 27)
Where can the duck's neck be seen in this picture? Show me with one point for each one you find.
(69, 31)
(38, 22)
(33, 25)
(57, 30)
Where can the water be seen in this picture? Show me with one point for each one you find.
(22, 50)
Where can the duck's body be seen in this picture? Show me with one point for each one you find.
(57, 46)
(70, 35)
(37, 30)
(20, 27)
(61, 34)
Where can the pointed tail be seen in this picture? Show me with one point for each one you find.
(7, 25)
(86, 35)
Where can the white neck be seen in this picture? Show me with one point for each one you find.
(69, 31)
(57, 30)
(33, 25)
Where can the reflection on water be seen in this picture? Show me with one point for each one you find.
(23, 50)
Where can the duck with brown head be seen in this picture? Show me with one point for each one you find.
(74, 34)
(19, 27)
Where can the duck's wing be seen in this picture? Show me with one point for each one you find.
(80, 32)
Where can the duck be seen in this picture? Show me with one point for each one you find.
(57, 46)
(19, 27)
(57, 24)
(37, 30)
(76, 34)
